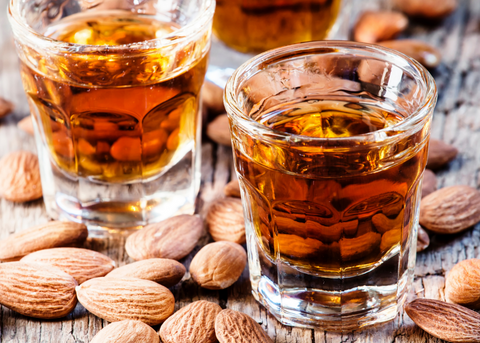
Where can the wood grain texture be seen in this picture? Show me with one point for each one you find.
(456, 121)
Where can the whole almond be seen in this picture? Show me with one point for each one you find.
(26, 124)
(20, 177)
(232, 189)
(450, 322)
(423, 52)
(50, 235)
(212, 98)
(450, 210)
(462, 284)
(430, 9)
(423, 240)
(116, 299)
(376, 26)
(194, 323)
(126, 331)
(219, 130)
(236, 327)
(439, 154)
(5, 107)
(36, 290)
(429, 183)
(218, 265)
(225, 220)
(82, 264)
(173, 238)
(160, 270)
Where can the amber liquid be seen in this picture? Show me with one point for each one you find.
(121, 117)
(260, 25)
(329, 212)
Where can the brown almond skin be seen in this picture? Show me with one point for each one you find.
(225, 220)
(160, 270)
(232, 189)
(219, 130)
(162, 240)
(116, 299)
(462, 284)
(430, 9)
(440, 154)
(423, 52)
(6, 107)
(450, 210)
(236, 327)
(423, 239)
(50, 235)
(376, 26)
(37, 290)
(26, 124)
(194, 323)
(20, 177)
(82, 264)
(126, 331)
(218, 265)
(450, 322)
(429, 183)
(212, 98)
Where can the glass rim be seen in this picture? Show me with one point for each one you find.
(198, 24)
(421, 75)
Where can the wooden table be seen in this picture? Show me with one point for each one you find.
(456, 121)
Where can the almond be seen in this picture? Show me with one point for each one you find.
(26, 124)
(236, 327)
(212, 98)
(173, 238)
(450, 210)
(439, 154)
(82, 264)
(423, 240)
(5, 107)
(462, 284)
(232, 189)
(225, 220)
(358, 247)
(430, 9)
(20, 177)
(383, 224)
(218, 265)
(194, 323)
(115, 299)
(127, 331)
(450, 322)
(429, 183)
(424, 53)
(36, 290)
(389, 239)
(50, 235)
(376, 26)
(160, 270)
(219, 130)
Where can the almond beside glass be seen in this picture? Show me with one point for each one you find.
(194, 323)
(173, 238)
(225, 220)
(219, 130)
(423, 52)
(440, 154)
(116, 299)
(232, 189)
(82, 264)
(218, 265)
(376, 26)
(126, 331)
(50, 235)
(37, 290)
(450, 210)
(236, 327)
(26, 124)
(20, 177)
(212, 98)
(462, 284)
(6, 107)
(430, 9)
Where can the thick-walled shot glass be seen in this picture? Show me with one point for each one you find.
(330, 142)
(114, 88)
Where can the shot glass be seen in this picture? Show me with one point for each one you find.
(330, 142)
(114, 87)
